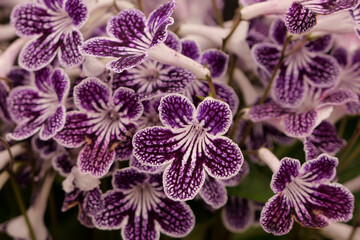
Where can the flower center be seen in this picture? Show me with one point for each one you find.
(113, 115)
(152, 75)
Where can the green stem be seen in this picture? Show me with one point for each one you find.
(237, 21)
(218, 14)
(211, 86)
(16, 190)
(236, 123)
(231, 69)
(342, 127)
(348, 147)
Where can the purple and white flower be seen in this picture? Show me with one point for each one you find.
(139, 206)
(54, 26)
(304, 193)
(191, 144)
(40, 108)
(105, 123)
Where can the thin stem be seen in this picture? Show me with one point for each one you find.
(348, 147)
(269, 158)
(218, 14)
(16, 190)
(354, 155)
(140, 5)
(236, 123)
(297, 47)
(342, 127)
(212, 92)
(231, 69)
(236, 23)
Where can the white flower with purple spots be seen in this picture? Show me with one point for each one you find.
(305, 193)
(191, 144)
(105, 122)
(139, 206)
(54, 26)
(131, 36)
(306, 65)
(40, 108)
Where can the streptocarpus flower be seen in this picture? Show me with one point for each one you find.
(105, 122)
(40, 108)
(54, 26)
(304, 193)
(306, 65)
(191, 143)
(139, 206)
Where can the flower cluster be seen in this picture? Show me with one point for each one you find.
(152, 115)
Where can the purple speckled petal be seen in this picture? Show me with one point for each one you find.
(22, 103)
(267, 111)
(276, 216)
(184, 178)
(238, 214)
(176, 111)
(126, 62)
(92, 202)
(140, 227)
(223, 157)
(114, 211)
(278, 31)
(60, 82)
(142, 167)
(69, 55)
(213, 192)
(355, 59)
(300, 124)
(71, 199)
(25, 130)
(173, 41)
(321, 44)
(341, 55)
(4, 93)
(128, 178)
(131, 108)
(289, 89)
(78, 12)
(42, 79)
(63, 164)
(53, 5)
(158, 21)
(216, 61)
(176, 219)
(127, 26)
(322, 71)
(237, 179)
(154, 145)
(91, 95)
(338, 97)
(45, 149)
(39, 52)
(299, 19)
(190, 49)
(289, 169)
(323, 139)
(96, 158)
(19, 76)
(30, 19)
(266, 55)
(53, 124)
(214, 116)
(320, 169)
(328, 6)
(74, 132)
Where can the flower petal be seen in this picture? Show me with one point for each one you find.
(126, 179)
(190, 49)
(320, 169)
(238, 214)
(22, 103)
(74, 132)
(328, 6)
(91, 95)
(131, 108)
(278, 31)
(96, 158)
(321, 44)
(266, 55)
(154, 145)
(301, 124)
(299, 19)
(266, 111)
(322, 71)
(216, 61)
(176, 219)
(78, 11)
(70, 55)
(276, 216)
(25, 130)
(223, 157)
(4, 93)
(214, 116)
(338, 97)
(53, 124)
(288, 170)
(30, 19)
(341, 55)
(213, 193)
(176, 111)
(183, 178)
(140, 227)
(39, 52)
(60, 82)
